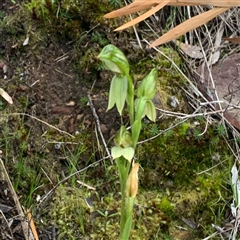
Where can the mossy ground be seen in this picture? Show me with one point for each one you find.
(184, 173)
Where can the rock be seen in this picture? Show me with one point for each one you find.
(60, 110)
(70, 104)
(104, 128)
(80, 116)
(173, 102)
(71, 125)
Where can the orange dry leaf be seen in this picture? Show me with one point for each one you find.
(188, 25)
(139, 5)
(143, 16)
(132, 182)
(215, 3)
(32, 225)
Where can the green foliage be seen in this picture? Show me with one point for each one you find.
(218, 134)
(68, 17)
(210, 185)
(2, 104)
(71, 212)
(166, 206)
(115, 3)
(221, 131)
(183, 128)
(176, 167)
(147, 87)
(84, 101)
(99, 38)
(24, 176)
(154, 130)
(1, 14)
(169, 133)
(198, 134)
(214, 141)
(39, 8)
(122, 92)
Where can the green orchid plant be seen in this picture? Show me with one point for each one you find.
(139, 104)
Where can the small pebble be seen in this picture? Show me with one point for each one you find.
(5, 68)
(70, 104)
(57, 146)
(104, 128)
(173, 101)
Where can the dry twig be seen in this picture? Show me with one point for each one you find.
(25, 226)
(98, 126)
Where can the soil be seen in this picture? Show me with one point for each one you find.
(47, 90)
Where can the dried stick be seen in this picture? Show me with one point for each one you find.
(39, 120)
(6, 223)
(25, 227)
(65, 179)
(135, 30)
(98, 126)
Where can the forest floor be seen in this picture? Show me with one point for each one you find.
(50, 132)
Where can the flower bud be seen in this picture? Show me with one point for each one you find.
(123, 145)
(147, 87)
(132, 182)
(114, 60)
(123, 138)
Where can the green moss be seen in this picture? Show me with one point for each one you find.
(70, 212)
(167, 207)
(70, 17)
(89, 61)
(183, 128)
(172, 164)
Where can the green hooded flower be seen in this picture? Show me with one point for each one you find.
(114, 60)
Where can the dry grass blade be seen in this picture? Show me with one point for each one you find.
(143, 16)
(216, 3)
(132, 8)
(6, 96)
(188, 25)
(140, 5)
